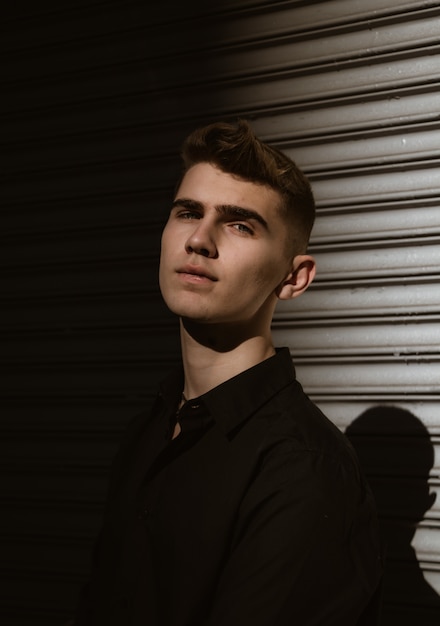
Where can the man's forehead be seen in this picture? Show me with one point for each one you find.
(207, 183)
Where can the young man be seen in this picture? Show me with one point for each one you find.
(235, 502)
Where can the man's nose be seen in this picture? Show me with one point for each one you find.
(202, 240)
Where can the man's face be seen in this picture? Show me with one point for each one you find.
(223, 249)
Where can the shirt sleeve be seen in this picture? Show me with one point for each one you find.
(306, 549)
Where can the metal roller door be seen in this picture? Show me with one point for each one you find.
(97, 98)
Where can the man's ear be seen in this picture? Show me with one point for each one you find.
(302, 274)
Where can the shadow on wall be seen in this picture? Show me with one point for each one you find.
(396, 453)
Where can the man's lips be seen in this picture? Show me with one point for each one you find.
(196, 270)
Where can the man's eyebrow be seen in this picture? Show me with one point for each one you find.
(186, 203)
(231, 211)
(240, 212)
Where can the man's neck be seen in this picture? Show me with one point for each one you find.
(212, 355)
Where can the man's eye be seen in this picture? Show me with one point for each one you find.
(242, 228)
(188, 215)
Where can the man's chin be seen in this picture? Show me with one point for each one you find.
(202, 319)
(190, 311)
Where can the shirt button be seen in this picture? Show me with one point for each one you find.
(144, 513)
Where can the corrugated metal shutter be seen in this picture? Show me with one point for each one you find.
(98, 98)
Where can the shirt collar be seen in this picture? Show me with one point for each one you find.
(235, 400)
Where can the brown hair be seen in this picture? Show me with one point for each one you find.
(236, 150)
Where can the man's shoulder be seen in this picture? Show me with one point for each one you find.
(291, 420)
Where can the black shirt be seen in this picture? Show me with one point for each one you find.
(256, 514)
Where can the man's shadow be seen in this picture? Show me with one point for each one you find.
(397, 455)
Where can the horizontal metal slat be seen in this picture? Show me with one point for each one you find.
(131, 341)
(58, 247)
(94, 114)
(421, 180)
(399, 337)
(82, 417)
(62, 377)
(62, 310)
(118, 274)
(77, 87)
(131, 176)
(403, 258)
(370, 375)
(83, 149)
(32, 29)
(79, 214)
(361, 149)
(426, 543)
(47, 451)
(377, 110)
(410, 218)
(369, 296)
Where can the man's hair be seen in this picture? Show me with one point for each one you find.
(236, 150)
